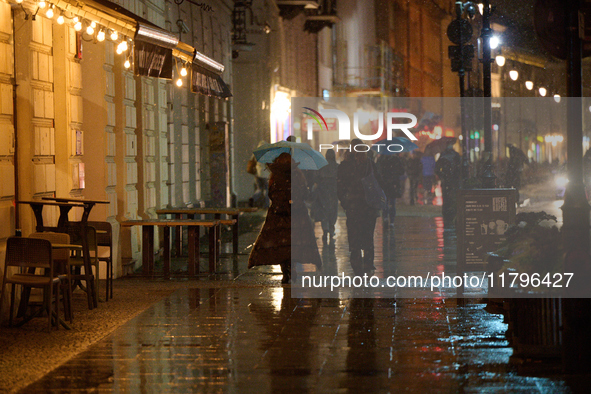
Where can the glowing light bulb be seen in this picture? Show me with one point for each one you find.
(49, 13)
(78, 26)
(557, 98)
(93, 24)
(124, 46)
(529, 85)
(119, 51)
(513, 74)
(19, 1)
(494, 42)
(89, 30)
(543, 92)
(75, 19)
(42, 4)
(500, 60)
(100, 36)
(114, 36)
(127, 63)
(179, 82)
(60, 20)
(183, 71)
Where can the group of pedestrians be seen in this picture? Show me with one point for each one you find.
(288, 232)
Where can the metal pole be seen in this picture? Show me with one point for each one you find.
(465, 170)
(576, 346)
(576, 208)
(488, 176)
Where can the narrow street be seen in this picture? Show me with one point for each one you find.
(253, 337)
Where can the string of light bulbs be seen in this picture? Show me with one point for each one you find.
(96, 32)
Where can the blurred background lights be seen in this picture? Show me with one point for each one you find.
(513, 74)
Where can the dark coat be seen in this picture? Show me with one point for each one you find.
(326, 204)
(448, 169)
(390, 169)
(349, 187)
(275, 243)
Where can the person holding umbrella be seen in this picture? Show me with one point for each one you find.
(288, 233)
(517, 159)
(447, 169)
(361, 217)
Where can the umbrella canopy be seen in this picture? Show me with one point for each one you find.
(438, 146)
(302, 153)
(386, 147)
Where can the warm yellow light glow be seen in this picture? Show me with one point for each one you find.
(89, 30)
(557, 98)
(75, 19)
(60, 20)
(78, 26)
(179, 82)
(513, 74)
(543, 92)
(184, 71)
(124, 46)
(500, 60)
(49, 13)
(93, 24)
(529, 85)
(127, 64)
(42, 4)
(114, 36)
(494, 42)
(19, 1)
(100, 36)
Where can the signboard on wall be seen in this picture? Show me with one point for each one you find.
(152, 60)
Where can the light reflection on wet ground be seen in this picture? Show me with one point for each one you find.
(254, 337)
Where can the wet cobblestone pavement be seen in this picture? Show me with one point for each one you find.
(252, 336)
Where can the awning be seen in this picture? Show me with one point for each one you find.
(206, 82)
(154, 47)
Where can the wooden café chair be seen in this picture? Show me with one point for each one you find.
(32, 256)
(76, 261)
(104, 238)
(61, 259)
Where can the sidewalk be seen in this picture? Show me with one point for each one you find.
(247, 334)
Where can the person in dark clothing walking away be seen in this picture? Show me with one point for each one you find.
(428, 162)
(414, 170)
(517, 160)
(326, 203)
(361, 218)
(390, 169)
(447, 169)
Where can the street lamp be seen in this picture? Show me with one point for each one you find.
(459, 32)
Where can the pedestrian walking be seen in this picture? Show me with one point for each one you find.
(447, 168)
(391, 170)
(428, 163)
(414, 170)
(326, 203)
(287, 234)
(361, 217)
(517, 160)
